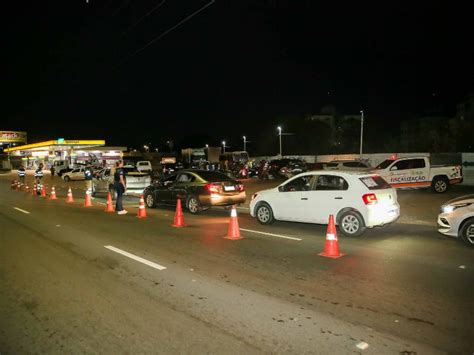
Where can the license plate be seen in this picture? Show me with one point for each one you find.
(229, 188)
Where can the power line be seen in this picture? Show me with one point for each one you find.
(160, 36)
(144, 16)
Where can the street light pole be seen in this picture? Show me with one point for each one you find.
(361, 132)
(223, 144)
(279, 135)
(245, 143)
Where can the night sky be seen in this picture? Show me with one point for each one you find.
(237, 68)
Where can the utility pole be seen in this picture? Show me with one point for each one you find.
(279, 135)
(361, 132)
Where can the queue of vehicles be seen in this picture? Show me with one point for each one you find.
(359, 196)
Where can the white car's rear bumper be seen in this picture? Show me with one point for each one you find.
(379, 215)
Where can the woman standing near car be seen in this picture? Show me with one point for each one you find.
(120, 186)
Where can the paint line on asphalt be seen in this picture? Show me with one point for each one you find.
(271, 234)
(19, 209)
(135, 257)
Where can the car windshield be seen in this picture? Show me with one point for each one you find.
(375, 182)
(384, 164)
(213, 176)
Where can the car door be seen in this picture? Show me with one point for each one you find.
(180, 189)
(329, 194)
(73, 174)
(409, 173)
(164, 190)
(290, 203)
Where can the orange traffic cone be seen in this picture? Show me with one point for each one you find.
(69, 198)
(13, 185)
(178, 216)
(233, 233)
(18, 186)
(43, 191)
(331, 247)
(88, 201)
(53, 194)
(34, 190)
(27, 188)
(110, 206)
(141, 208)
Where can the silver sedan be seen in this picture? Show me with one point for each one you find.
(456, 219)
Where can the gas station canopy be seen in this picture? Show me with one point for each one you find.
(57, 145)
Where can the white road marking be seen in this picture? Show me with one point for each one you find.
(271, 234)
(137, 258)
(19, 209)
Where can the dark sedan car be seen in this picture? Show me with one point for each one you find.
(197, 189)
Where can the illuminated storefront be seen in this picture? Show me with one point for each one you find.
(70, 151)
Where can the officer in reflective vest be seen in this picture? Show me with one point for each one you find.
(21, 174)
(88, 178)
(38, 177)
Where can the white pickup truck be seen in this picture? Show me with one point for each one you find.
(417, 172)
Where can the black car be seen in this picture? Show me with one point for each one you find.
(277, 164)
(197, 190)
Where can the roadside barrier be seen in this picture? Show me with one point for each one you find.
(87, 200)
(233, 233)
(110, 206)
(69, 198)
(331, 246)
(178, 216)
(52, 196)
(141, 208)
(43, 190)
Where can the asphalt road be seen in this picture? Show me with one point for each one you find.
(401, 288)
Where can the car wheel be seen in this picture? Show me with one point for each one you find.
(193, 205)
(467, 232)
(440, 184)
(264, 213)
(150, 200)
(351, 224)
(67, 178)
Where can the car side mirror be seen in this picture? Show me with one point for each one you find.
(393, 168)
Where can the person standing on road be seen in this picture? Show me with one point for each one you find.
(120, 186)
(21, 174)
(38, 177)
(52, 171)
(88, 178)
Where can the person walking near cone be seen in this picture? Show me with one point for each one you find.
(38, 178)
(120, 186)
(88, 178)
(21, 175)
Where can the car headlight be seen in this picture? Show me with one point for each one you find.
(451, 208)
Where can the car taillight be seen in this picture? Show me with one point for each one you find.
(370, 199)
(240, 187)
(212, 188)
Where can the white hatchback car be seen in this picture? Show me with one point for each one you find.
(457, 219)
(75, 174)
(356, 200)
